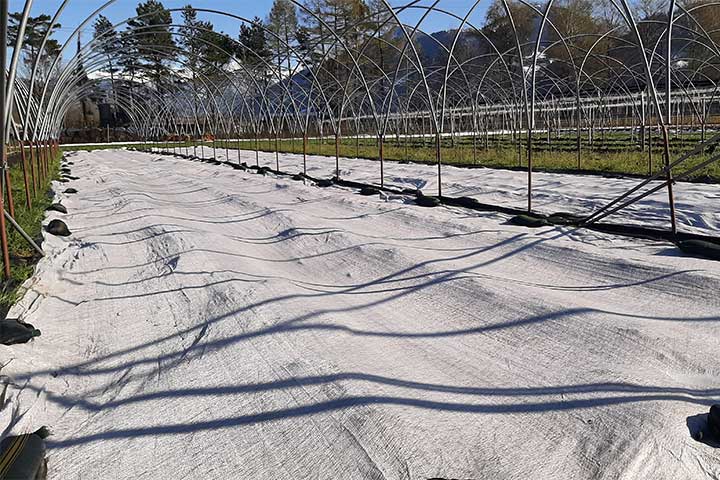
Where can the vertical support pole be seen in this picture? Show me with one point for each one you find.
(8, 187)
(277, 150)
(702, 125)
(530, 164)
(578, 133)
(35, 158)
(305, 141)
(238, 148)
(337, 154)
(41, 160)
(668, 110)
(438, 157)
(474, 145)
(3, 127)
(487, 133)
(381, 156)
(28, 199)
(257, 151)
(33, 176)
(643, 120)
(48, 156)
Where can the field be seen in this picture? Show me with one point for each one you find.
(213, 320)
(615, 153)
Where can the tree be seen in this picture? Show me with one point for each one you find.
(331, 31)
(108, 42)
(206, 50)
(35, 31)
(700, 54)
(152, 39)
(576, 21)
(206, 53)
(282, 22)
(499, 29)
(253, 48)
(644, 9)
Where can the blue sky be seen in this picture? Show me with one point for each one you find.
(78, 10)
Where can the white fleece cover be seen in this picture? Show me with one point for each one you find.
(203, 322)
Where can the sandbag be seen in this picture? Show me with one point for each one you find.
(467, 202)
(714, 420)
(70, 190)
(424, 201)
(528, 221)
(701, 248)
(58, 228)
(564, 218)
(23, 457)
(369, 191)
(13, 331)
(57, 207)
(324, 183)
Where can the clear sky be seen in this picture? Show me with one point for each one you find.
(78, 10)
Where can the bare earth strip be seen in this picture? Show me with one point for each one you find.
(203, 322)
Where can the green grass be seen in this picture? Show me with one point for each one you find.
(614, 152)
(22, 256)
(90, 148)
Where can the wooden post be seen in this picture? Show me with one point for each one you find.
(8, 191)
(32, 168)
(28, 199)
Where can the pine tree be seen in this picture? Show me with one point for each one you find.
(253, 48)
(152, 39)
(35, 31)
(283, 23)
(207, 51)
(108, 42)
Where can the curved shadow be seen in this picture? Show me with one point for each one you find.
(351, 402)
